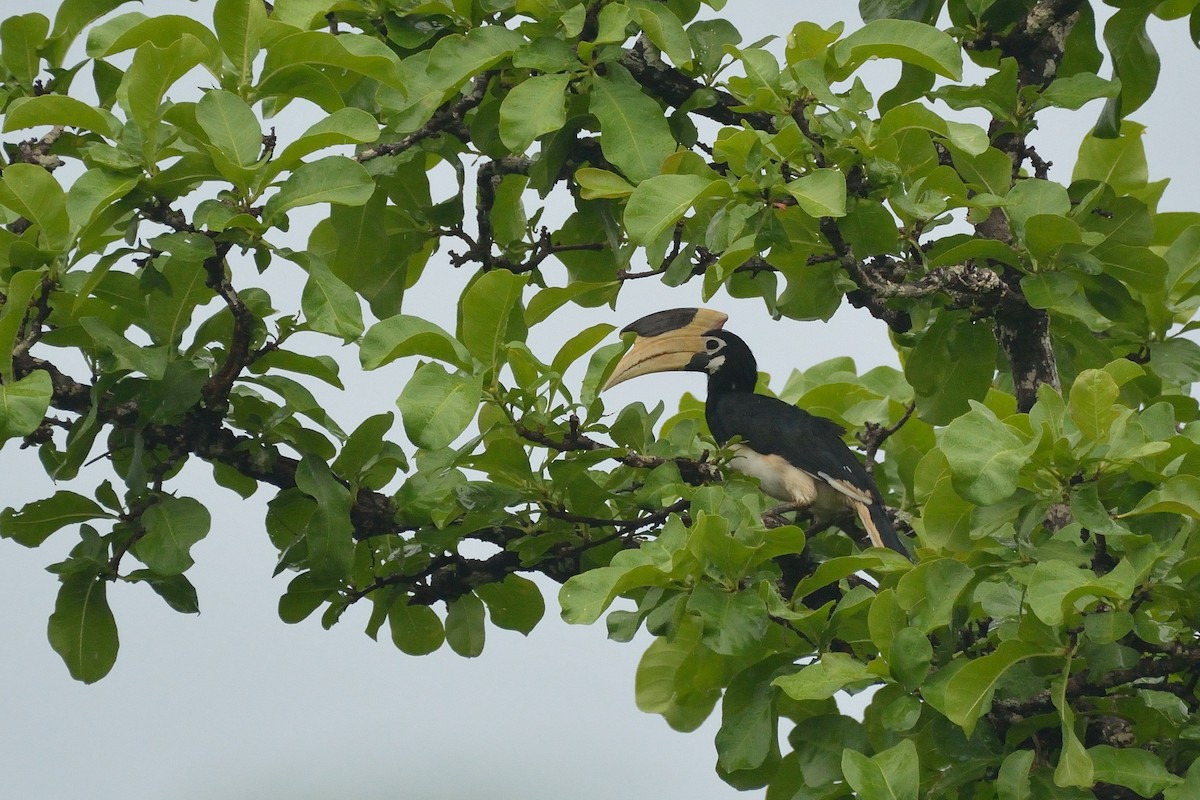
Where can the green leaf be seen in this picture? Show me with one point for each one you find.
(951, 364)
(734, 622)
(305, 594)
(404, 335)
(906, 40)
(333, 179)
(82, 629)
(515, 604)
(72, 17)
(1091, 404)
(329, 534)
(329, 305)
(579, 344)
(1133, 768)
(820, 193)
(670, 678)
(17, 297)
(231, 126)
(1119, 161)
(343, 126)
(33, 193)
(600, 184)
(92, 194)
(664, 29)
(985, 455)
(634, 134)
(748, 736)
(659, 202)
(23, 404)
(1074, 91)
(1013, 781)
(1135, 63)
(894, 774)
(176, 590)
(930, 590)
(532, 108)
(172, 526)
(584, 597)
(55, 109)
(322, 49)
(825, 678)
(968, 695)
(490, 315)
(416, 630)
(153, 71)
(1075, 766)
(240, 25)
(910, 657)
(37, 520)
(21, 38)
(437, 405)
(464, 625)
(1179, 495)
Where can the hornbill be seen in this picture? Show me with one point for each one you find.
(798, 457)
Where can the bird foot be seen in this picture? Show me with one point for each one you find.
(774, 517)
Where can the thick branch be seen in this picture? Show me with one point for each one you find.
(676, 88)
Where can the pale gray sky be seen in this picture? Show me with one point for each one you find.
(235, 704)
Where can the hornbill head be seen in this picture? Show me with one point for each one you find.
(685, 339)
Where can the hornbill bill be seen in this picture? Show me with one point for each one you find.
(798, 457)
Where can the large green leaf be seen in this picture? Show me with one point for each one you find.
(82, 629)
(1092, 403)
(37, 520)
(1135, 63)
(968, 695)
(153, 71)
(23, 404)
(824, 678)
(21, 37)
(659, 202)
(894, 774)
(416, 630)
(985, 455)
(329, 533)
(1132, 767)
(333, 179)
(436, 406)
(465, 626)
(515, 604)
(172, 526)
(330, 306)
(951, 364)
(55, 109)
(490, 314)
(633, 129)
(231, 126)
(821, 193)
(734, 622)
(532, 108)
(584, 597)
(240, 25)
(1179, 495)
(406, 335)
(34, 194)
(906, 40)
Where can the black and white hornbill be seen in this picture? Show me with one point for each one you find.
(798, 457)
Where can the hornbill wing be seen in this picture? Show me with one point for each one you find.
(811, 444)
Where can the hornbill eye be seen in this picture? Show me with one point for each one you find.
(712, 345)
